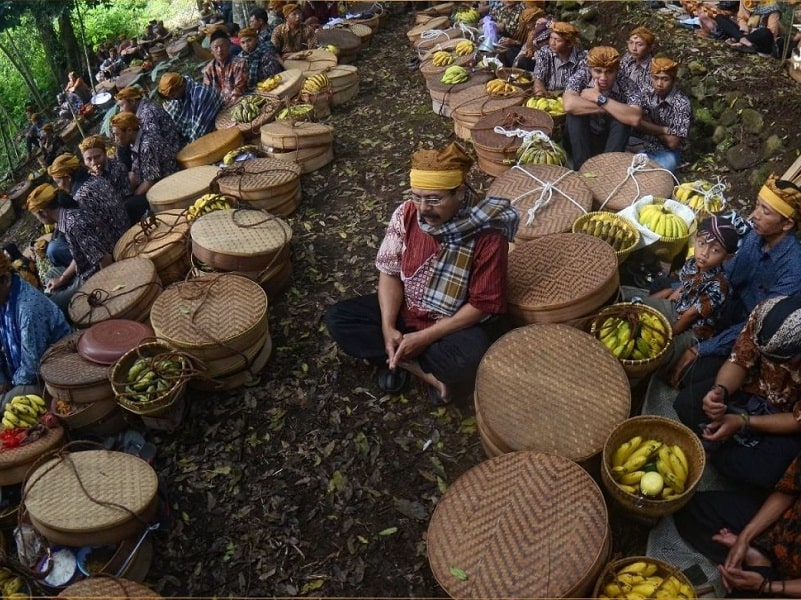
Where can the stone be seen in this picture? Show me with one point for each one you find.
(741, 157)
(752, 120)
(773, 146)
(588, 32)
(728, 117)
(720, 134)
(696, 68)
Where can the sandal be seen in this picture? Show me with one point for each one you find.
(435, 398)
(393, 381)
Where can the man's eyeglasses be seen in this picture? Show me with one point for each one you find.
(430, 200)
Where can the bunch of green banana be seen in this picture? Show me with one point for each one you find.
(663, 222)
(442, 58)
(206, 204)
(269, 84)
(316, 83)
(12, 586)
(151, 377)
(230, 157)
(540, 152)
(465, 47)
(23, 411)
(455, 75)
(608, 227)
(299, 112)
(247, 109)
(633, 335)
(643, 579)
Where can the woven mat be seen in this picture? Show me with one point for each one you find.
(257, 175)
(476, 102)
(342, 38)
(209, 148)
(510, 119)
(108, 588)
(62, 366)
(291, 82)
(559, 194)
(267, 113)
(310, 61)
(188, 184)
(560, 368)
(522, 525)
(559, 270)
(55, 498)
(240, 233)
(606, 175)
(30, 452)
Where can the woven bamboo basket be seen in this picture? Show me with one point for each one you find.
(320, 103)
(7, 214)
(309, 159)
(433, 37)
(442, 92)
(374, 22)
(285, 135)
(273, 280)
(70, 134)
(70, 377)
(181, 189)
(246, 377)
(289, 87)
(19, 193)
(518, 77)
(264, 183)
(16, 462)
(249, 130)
(344, 39)
(617, 223)
(497, 152)
(210, 148)
(107, 85)
(666, 431)
(179, 47)
(526, 401)
(469, 106)
(158, 53)
(108, 587)
(128, 76)
(636, 369)
(561, 278)
(439, 22)
(607, 177)
(428, 68)
(310, 62)
(96, 418)
(61, 497)
(503, 523)
(664, 570)
(212, 317)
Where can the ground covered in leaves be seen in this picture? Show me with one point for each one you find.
(313, 482)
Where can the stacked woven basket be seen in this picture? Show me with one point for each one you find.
(181, 189)
(264, 183)
(309, 145)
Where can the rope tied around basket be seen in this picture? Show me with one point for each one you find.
(546, 190)
(151, 230)
(99, 297)
(639, 164)
(715, 190)
(241, 170)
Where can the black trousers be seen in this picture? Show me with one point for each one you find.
(136, 207)
(761, 38)
(355, 325)
(584, 143)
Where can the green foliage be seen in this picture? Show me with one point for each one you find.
(108, 21)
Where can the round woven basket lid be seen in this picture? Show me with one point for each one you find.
(128, 76)
(57, 494)
(512, 119)
(549, 198)
(239, 232)
(185, 185)
(311, 61)
(614, 187)
(257, 175)
(438, 36)
(435, 23)
(521, 525)
(434, 82)
(475, 101)
(209, 148)
(342, 38)
(266, 114)
(62, 366)
(114, 291)
(342, 76)
(176, 47)
(100, 586)
(209, 310)
(558, 270)
(552, 388)
(161, 244)
(19, 190)
(105, 342)
(428, 68)
(21, 455)
(360, 30)
(447, 45)
(283, 135)
(291, 82)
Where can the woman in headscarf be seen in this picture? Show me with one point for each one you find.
(559, 60)
(29, 324)
(293, 35)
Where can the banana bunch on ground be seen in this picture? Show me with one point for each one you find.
(269, 84)
(651, 468)
(552, 106)
(663, 222)
(316, 83)
(455, 75)
(607, 226)
(442, 58)
(540, 150)
(633, 335)
(247, 109)
(644, 579)
(152, 376)
(701, 195)
(206, 204)
(464, 48)
(230, 157)
(298, 112)
(499, 87)
(12, 586)
(23, 411)
(468, 16)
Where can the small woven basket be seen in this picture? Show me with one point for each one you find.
(667, 248)
(518, 77)
(617, 223)
(664, 570)
(636, 369)
(666, 431)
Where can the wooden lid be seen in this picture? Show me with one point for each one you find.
(475, 102)
(291, 83)
(310, 61)
(108, 587)
(62, 366)
(618, 179)
(283, 135)
(106, 342)
(63, 493)
(558, 193)
(511, 119)
(210, 148)
(551, 388)
(522, 525)
(252, 178)
(162, 239)
(183, 186)
(561, 270)
(272, 105)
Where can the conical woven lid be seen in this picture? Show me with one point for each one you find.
(63, 493)
(560, 269)
(240, 232)
(521, 525)
(310, 61)
(616, 180)
(255, 176)
(551, 388)
(549, 198)
(62, 366)
(185, 185)
(109, 588)
(509, 120)
(210, 148)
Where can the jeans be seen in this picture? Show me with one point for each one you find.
(667, 159)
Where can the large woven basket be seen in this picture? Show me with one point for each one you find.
(16, 462)
(666, 431)
(70, 377)
(95, 418)
(248, 376)
(310, 62)
(179, 47)
(344, 39)
(439, 22)
(441, 92)
(432, 37)
(529, 384)
(427, 66)
(265, 183)
(284, 135)
(664, 569)
(496, 151)
(614, 187)
(472, 104)
(291, 82)
(250, 130)
(106, 587)
(344, 83)
(181, 189)
(504, 525)
(561, 278)
(210, 148)
(617, 224)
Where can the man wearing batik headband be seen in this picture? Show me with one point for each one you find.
(442, 283)
(636, 63)
(667, 112)
(559, 60)
(262, 60)
(601, 107)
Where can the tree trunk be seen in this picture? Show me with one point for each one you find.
(7, 144)
(70, 43)
(19, 64)
(54, 52)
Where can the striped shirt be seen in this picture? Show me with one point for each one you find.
(553, 71)
(195, 112)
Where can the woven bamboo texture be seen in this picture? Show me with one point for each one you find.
(440, 22)
(181, 189)
(437, 36)
(429, 69)
(284, 135)
(310, 62)
(15, 462)
(107, 587)
(291, 82)
(442, 91)
(248, 376)
(470, 105)
(617, 223)
(561, 277)
(342, 77)
(86, 414)
(69, 376)
(229, 365)
(178, 48)
(250, 129)
(497, 152)
(528, 389)
(506, 525)
(265, 183)
(666, 431)
(372, 22)
(309, 159)
(607, 177)
(664, 569)
(343, 38)
(210, 148)
(163, 240)
(364, 32)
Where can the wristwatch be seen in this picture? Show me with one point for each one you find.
(601, 100)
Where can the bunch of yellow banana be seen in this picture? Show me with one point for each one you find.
(607, 226)
(230, 157)
(700, 195)
(672, 465)
(633, 335)
(316, 83)
(442, 58)
(499, 87)
(269, 84)
(247, 109)
(23, 411)
(299, 112)
(12, 586)
(552, 106)
(652, 468)
(643, 579)
(539, 152)
(469, 16)
(206, 204)
(464, 48)
(455, 75)
(663, 222)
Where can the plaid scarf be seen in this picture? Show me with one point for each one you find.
(254, 64)
(448, 286)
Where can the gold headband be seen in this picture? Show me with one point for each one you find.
(40, 197)
(93, 141)
(65, 164)
(776, 202)
(436, 180)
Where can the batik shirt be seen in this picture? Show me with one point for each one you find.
(507, 17)
(151, 158)
(230, 78)
(261, 65)
(706, 292)
(99, 199)
(288, 40)
(89, 240)
(153, 119)
(639, 73)
(623, 90)
(552, 71)
(783, 539)
(674, 111)
(195, 112)
(116, 173)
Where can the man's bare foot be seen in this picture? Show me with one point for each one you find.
(753, 557)
(415, 369)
